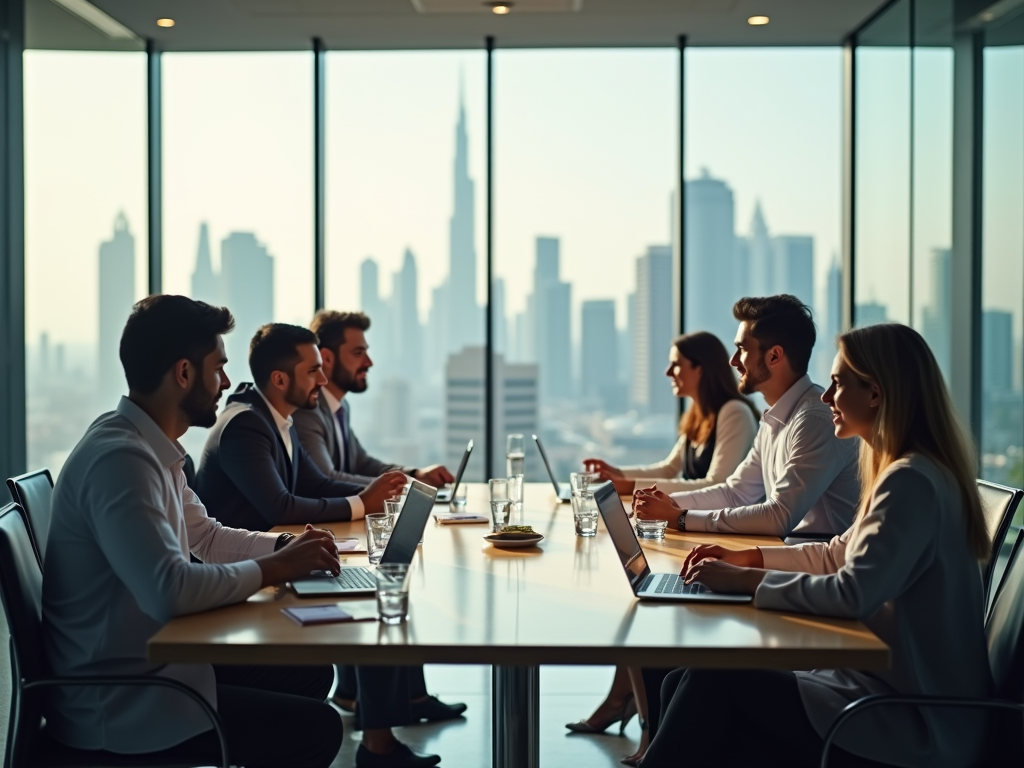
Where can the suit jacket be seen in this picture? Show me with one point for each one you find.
(319, 438)
(246, 477)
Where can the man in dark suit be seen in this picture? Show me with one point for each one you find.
(326, 431)
(328, 438)
(255, 467)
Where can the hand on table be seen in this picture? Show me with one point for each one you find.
(387, 486)
(652, 504)
(312, 550)
(436, 475)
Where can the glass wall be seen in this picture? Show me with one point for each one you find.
(585, 169)
(406, 195)
(238, 190)
(763, 170)
(85, 237)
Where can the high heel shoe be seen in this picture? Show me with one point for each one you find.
(634, 759)
(622, 717)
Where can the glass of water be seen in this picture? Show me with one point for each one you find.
(584, 513)
(580, 482)
(392, 508)
(500, 512)
(459, 500)
(515, 455)
(392, 592)
(378, 531)
(515, 493)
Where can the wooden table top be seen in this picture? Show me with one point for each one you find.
(566, 601)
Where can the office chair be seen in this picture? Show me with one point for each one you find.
(999, 503)
(28, 743)
(34, 492)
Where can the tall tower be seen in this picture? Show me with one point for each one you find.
(599, 356)
(117, 294)
(205, 285)
(405, 311)
(936, 316)
(463, 313)
(652, 328)
(549, 310)
(710, 255)
(762, 262)
(247, 279)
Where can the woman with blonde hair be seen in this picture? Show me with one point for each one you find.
(908, 568)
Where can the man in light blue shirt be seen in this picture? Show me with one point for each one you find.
(798, 478)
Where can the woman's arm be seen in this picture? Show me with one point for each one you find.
(669, 468)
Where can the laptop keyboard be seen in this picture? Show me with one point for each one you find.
(354, 578)
(671, 584)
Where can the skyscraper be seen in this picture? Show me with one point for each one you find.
(463, 312)
(205, 285)
(407, 336)
(710, 255)
(937, 313)
(652, 330)
(599, 358)
(793, 262)
(247, 286)
(762, 281)
(996, 351)
(116, 296)
(824, 350)
(550, 312)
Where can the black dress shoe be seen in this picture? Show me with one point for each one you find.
(433, 709)
(400, 757)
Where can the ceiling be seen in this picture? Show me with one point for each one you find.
(240, 25)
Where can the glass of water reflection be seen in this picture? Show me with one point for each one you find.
(392, 592)
(515, 455)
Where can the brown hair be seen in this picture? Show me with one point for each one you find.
(330, 326)
(717, 384)
(916, 415)
(782, 321)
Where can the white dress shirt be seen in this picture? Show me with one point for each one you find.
(284, 424)
(735, 429)
(905, 570)
(798, 478)
(117, 569)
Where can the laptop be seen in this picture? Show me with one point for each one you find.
(562, 490)
(647, 585)
(358, 580)
(444, 495)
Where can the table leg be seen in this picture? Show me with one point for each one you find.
(515, 727)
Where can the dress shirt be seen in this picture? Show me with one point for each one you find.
(118, 569)
(905, 570)
(798, 478)
(735, 429)
(284, 424)
(334, 405)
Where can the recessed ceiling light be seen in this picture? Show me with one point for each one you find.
(165, 22)
(757, 21)
(500, 8)
(987, 16)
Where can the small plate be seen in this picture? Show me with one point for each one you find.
(513, 543)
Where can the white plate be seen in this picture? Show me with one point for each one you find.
(513, 543)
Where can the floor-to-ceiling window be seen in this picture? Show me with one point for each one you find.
(763, 170)
(85, 237)
(586, 157)
(405, 230)
(238, 190)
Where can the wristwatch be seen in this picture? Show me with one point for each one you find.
(283, 539)
(681, 522)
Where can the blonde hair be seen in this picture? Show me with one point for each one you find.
(916, 415)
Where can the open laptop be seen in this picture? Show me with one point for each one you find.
(444, 495)
(562, 490)
(647, 585)
(358, 580)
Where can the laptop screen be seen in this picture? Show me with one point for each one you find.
(410, 524)
(620, 529)
(462, 467)
(547, 465)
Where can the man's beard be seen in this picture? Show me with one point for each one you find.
(298, 398)
(199, 406)
(346, 382)
(750, 380)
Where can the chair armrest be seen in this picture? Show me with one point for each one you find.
(861, 705)
(142, 680)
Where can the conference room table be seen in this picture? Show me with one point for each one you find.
(565, 601)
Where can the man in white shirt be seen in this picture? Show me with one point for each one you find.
(798, 478)
(118, 568)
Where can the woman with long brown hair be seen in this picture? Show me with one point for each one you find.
(908, 568)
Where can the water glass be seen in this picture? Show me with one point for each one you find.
(651, 529)
(392, 508)
(515, 455)
(392, 592)
(459, 500)
(500, 511)
(378, 531)
(499, 489)
(515, 493)
(584, 514)
(580, 482)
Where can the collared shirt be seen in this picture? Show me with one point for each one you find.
(118, 569)
(798, 478)
(284, 424)
(334, 405)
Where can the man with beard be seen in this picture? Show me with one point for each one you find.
(254, 470)
(798, 478)
(327, 436)
(326, 431)
(117, 569)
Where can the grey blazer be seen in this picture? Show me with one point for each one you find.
(319, 438)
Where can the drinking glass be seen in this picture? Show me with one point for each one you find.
(584, 514)
(459, 500)
(392, 508)
(392, 592)
(499, 489)
(515, 493)
(581, 481)
(515, 455)
(500, 511)
(378, 531)
(651, 529)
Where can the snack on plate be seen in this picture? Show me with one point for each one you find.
(516, 532)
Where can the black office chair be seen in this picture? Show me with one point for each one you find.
(28, 743)
(1000, 503)
(34, 493)
(1005, 631)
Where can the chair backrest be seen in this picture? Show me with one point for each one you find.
(21, 588)
(34, 492)
(999, 503)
